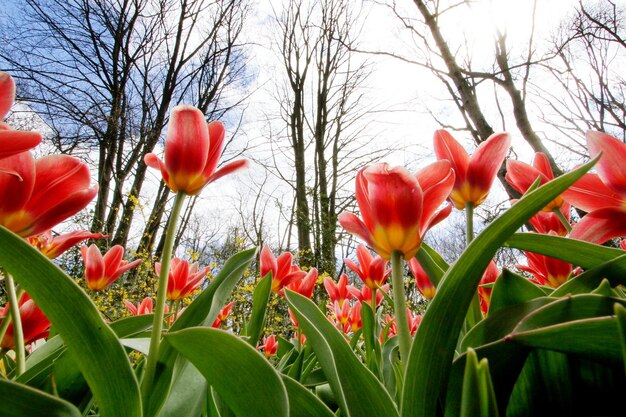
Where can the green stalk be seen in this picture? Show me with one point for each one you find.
(159, 310)
(474, 315)
(399, 309)
(562, 218)
(18, 331)
(469, 221)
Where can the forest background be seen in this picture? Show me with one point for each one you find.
(310, 92)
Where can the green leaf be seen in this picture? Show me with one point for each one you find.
(260, 298)
(432, 263)
(18, 400)
(92, 344)
(430, 359)
(594, 339)
(620, 315)
(577, 252)
(302, 402)
(40, 362)
(356, 389)
(478, 398)
(390, 358)
(202, 311)
(502, 322)
(241, 376)
(510, 289)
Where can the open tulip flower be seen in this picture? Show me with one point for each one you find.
(41, 193)
(183, 278)
(12, 141)
(365, 294)
(371, 269)
(283, 270)
(473, 176)
(192, 152)
(141, 308)
(602, 195)
(102, 271)
(546, 270)
(53, 247)
(34, 323)
(521, 176)
(222, 315)
(270, 346)
(397, 207)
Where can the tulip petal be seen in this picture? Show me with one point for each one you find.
(267, 262)
(353, 225)
(436, 181)
(7, 93)
(15, 189)
(542, 164)
(589, 194)
(610, 167)
(216, 146)
(15, 141)
(601, 225)
(447, 148)
(486, 162)
(154, 161)
(521, 175)
(228, 169)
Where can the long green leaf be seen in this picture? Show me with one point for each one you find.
(238, 372)
(620, 315)
(260, 298)
(18, 400)
(90, 341)
(594, 339)
(432, 263)
(302, 402)
(577, 252)
(202, 311)
(431, 355)
(511, 289)
(356, 389)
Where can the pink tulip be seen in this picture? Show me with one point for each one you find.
(102, 271)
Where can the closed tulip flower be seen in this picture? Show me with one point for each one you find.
(397, 207)
(53, 247)
(192, 152)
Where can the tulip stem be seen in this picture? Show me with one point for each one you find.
(18, 331)
(159, 310)
(469, 221)
(562, 218)
(399, 306)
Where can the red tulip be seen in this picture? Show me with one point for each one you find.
(414, 321)
(12, 141)
(102, 271)
(372, 270)
(364, 295)
(183, 278)
(222, 315)
(521, 176)
(545, 222)
(34, 323)
(338, 292)
(397, 207)
(341, 313)
(41, 194)
(354, 318)
(305, 285)
(270, 346)
(53, 247)
(284, 272)
(489, 277)
(141, 308)
(546, 270)
(603, 195)
(422, 282)
(192, 152)
(473, 176)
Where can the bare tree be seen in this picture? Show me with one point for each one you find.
(104, 74)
